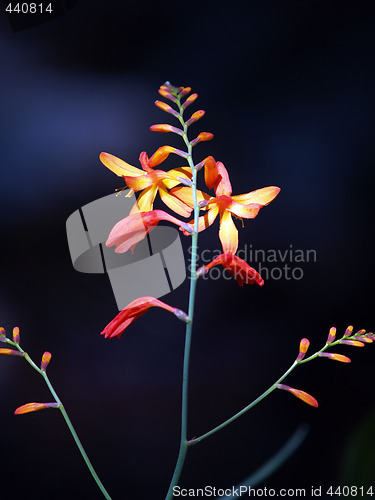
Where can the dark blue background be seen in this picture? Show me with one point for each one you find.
(288, 88)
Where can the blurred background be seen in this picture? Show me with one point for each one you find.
(288, 90)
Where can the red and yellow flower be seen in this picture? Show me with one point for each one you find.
(150, 181)
(237, 267)
(225, 205)
(134, 310)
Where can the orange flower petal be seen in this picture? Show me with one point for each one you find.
(245, 211)
(140, 182)
(145, 200)
(238, 268)
(262, 196)
(174, 203)
(185, 194)
(211, 172)
(118, 166)
(29, 407)
(184, 172)
(228, 233)
(223, 185)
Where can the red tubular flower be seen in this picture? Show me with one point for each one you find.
(150, 182)
(237, 267)
(243, 206)
(133, 229)
(134, 310)
(29, 407)
(304, 396)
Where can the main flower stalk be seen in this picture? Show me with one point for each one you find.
(189, 327)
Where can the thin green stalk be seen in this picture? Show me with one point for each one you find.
(244, 410)
(189, 327)
(66, 418)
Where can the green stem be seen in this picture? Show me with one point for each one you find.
(244, 410)
(66, 418)
(189, 327)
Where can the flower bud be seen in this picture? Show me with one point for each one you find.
(195, 117)
(29, 407)
(185, 91)
(332, 335)
(335, 357)
(11, 352)
(203, 136)
(163, 127)
(16, 335)
(181, 315)
(304, 396)
(348, 331)
(355, 343)
(189, 100)
(303, 346)
(165, 107)
(164, 92)
(46, 358)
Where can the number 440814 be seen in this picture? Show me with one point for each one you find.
(350, 491)
(29, 8)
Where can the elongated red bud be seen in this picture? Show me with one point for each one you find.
(366, 340)
(335, 357)
(195, 117)
(162, 154)
(203, 136)
(211, 172)
(185, 91)
(29, 407)
(163, 127)
(11, 352)
(164, 92)
(354, 343)
(165, 107)
(189, 100)
(302, 395)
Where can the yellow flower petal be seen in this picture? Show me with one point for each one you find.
(228, 233)
(145, 200)
(185, 195)
(262, 196)
(184, 172)
(174, 203)
(118, 166)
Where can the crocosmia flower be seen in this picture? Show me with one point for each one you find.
(133, 229)
(237, 267)
(150, 182)
(244, 206)
(135, 310)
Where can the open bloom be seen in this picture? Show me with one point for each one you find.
(150, 181)
(134, 310)
(131, 230)
(237, 267)
(243, 206)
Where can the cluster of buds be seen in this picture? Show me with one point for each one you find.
(46, 358)
(177, 190)
(358, 339)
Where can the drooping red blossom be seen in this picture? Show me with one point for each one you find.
(302, 395)
(134, 228)
(29, 407)
(134, 310)
(238, 268)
